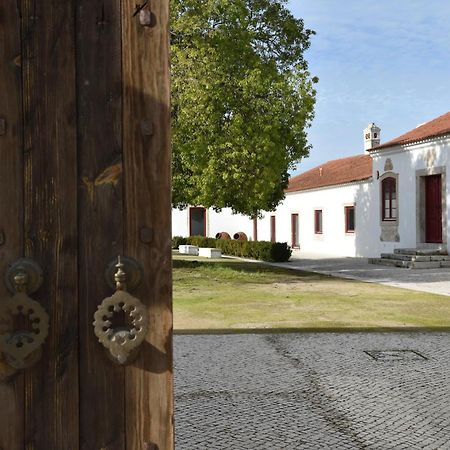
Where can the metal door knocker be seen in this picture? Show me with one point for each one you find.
(122, 340)
(23, 321)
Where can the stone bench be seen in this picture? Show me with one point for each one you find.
(210, 252)
(188, 250)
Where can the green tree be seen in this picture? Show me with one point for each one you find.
(242, 100)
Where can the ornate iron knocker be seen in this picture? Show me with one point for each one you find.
(122, 341)
(21, 348)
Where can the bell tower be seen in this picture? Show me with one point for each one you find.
(371, 136)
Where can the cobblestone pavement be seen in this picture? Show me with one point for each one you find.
(313, 391)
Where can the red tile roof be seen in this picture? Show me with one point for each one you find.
(339, 171)
(434, 128)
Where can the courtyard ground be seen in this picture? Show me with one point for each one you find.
(373, 391)
(233, 294)
(344, 389)
(435, 281)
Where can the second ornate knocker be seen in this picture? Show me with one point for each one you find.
(122, 340)
(21, 345)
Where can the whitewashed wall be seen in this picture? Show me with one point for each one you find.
(332, 201)
(228, 222)
(215, 223)
(428, 157)
(180, 222)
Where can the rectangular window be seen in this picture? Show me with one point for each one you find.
(294, 231)
(349, 219)
(318, 221)
(389, 199)
(272, 229)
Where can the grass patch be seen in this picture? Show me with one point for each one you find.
(233, 294)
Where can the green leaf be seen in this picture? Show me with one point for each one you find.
(242, 101)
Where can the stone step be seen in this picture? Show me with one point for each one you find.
(440, 258)
(420, 251)
(426, 265)
(390, 262)
(409, 264)
(417, 258)
(397, 256)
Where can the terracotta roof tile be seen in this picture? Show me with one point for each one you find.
(339, 171)
(434, 128)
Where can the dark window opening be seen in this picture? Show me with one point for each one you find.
(197, 221)
(318, 221)
(294, 231)
(272, 229)
(389, 199)
(349, 219)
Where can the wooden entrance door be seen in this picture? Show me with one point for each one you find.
(84, 177)
(197, 222)
(433, 208)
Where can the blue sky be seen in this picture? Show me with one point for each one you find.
(380, 61)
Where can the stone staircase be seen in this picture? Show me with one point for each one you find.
(414, 258)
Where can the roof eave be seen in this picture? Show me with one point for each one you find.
(362, 180)
(403, 144)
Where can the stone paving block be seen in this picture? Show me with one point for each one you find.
(311, 391)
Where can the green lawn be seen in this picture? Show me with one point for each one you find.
(232, 294)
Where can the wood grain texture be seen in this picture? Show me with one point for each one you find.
(11, 198)
(51, 387)
(145, 63)
(99, 76)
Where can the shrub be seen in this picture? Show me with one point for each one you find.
(261, 250)
(202, 241)
(178, 240)
(280, 251)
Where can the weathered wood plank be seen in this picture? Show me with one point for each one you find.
(146, 147)
(99, 76)
(11, 217)
(51, 387)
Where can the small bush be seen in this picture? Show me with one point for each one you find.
(280, 251)
(202, 241)
(261, 250)
(178, 240)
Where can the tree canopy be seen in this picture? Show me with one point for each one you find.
(242, 98)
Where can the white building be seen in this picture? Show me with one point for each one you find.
(392, 196)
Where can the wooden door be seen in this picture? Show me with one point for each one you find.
(197, 222)
(84, 177)
(294, 230)
(433, 209)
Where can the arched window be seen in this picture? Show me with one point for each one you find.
(389, 199)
